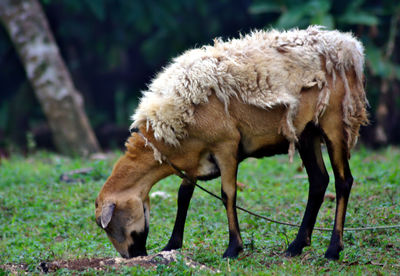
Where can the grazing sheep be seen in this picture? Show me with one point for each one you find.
(265, 93)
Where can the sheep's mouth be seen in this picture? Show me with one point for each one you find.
(138, 248)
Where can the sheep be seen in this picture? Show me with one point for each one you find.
(262, 94)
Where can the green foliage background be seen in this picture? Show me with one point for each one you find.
(114, 47)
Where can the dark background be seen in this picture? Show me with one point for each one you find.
(114, 47)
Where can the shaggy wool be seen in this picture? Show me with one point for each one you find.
(264, 69)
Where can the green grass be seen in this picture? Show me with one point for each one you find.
(44, 219)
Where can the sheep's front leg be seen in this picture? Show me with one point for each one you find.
(227, 161)
(184, 196)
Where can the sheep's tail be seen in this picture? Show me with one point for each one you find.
(348, 59)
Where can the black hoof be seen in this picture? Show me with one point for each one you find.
(232, 253)
(293, 251)
(172, 246)
(295, 248)
(333, 253)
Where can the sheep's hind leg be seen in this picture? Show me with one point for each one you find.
(310, 152)
(338, 153)
(184, 196)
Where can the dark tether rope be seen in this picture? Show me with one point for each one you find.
(184, 176)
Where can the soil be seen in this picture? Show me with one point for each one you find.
(150, 261)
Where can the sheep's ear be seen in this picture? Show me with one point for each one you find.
(106, 214)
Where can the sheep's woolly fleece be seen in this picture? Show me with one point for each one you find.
(263, 68)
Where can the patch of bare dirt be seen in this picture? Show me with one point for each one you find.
(150, 261)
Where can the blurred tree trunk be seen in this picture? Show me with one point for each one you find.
(29, 31)
(386, 107)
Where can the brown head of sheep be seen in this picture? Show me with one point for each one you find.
(215, 106)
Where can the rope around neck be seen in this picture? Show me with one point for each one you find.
(184, 176)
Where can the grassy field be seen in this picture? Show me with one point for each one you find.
(43, 218)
